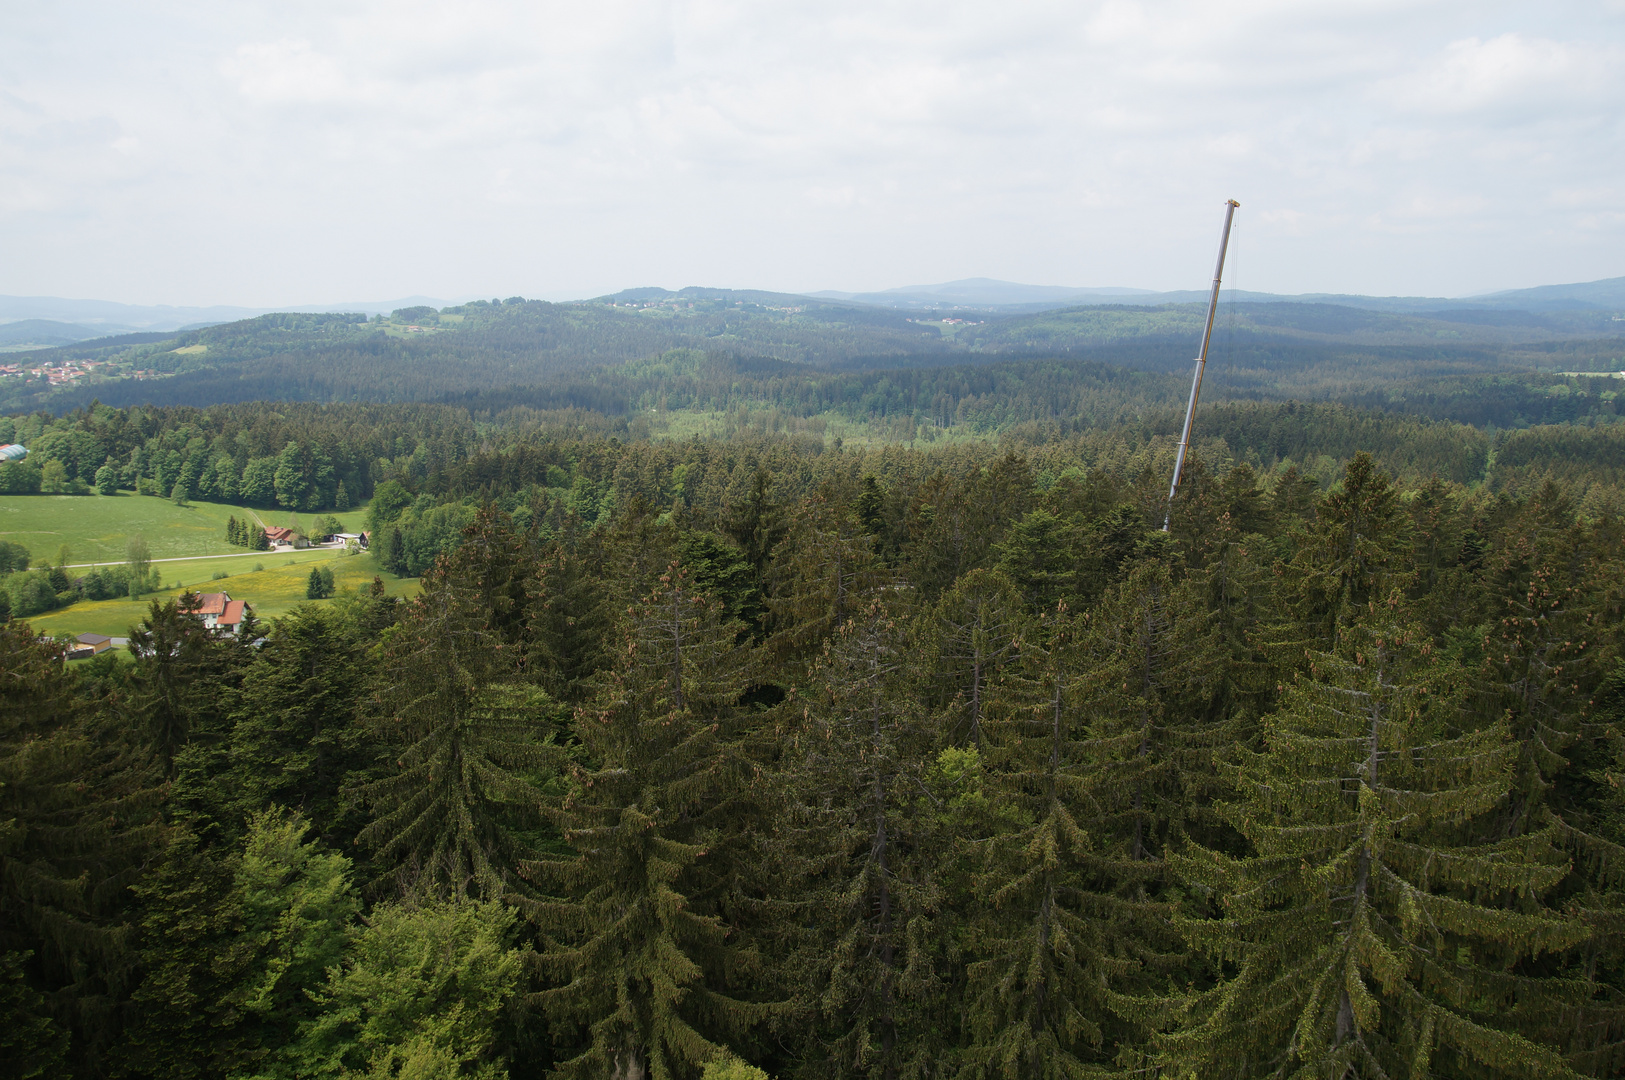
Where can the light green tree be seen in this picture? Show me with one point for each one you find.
(230, 945)
(423, 992)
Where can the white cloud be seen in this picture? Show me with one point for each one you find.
(1512, 75)
(314, 149)
(287, 71)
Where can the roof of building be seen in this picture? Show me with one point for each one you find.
(13, 452)
(212, 603)
(278, 532)
(233, 613)
(93, 639)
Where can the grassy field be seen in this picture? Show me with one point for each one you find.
(96, 528)
(272, 591)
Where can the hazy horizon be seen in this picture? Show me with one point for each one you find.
(8, 303)
(383, 305)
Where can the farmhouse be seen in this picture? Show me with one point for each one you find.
(231, 619)
(220, 612)
(278, 534)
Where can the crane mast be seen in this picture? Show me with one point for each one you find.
(1201, 360)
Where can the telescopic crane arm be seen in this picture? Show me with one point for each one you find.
(1201, 360)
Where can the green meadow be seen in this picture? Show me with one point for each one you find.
(188, 547)
(96, 528)
(274, 590)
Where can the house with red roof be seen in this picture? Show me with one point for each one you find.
(220, 612)
(231, 619)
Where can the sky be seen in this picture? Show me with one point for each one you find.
(295, 152)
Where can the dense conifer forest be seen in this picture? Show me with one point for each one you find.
(757, 754)
(807, 691)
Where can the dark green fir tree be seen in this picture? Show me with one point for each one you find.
(469, 742)
(1371, 929)
(862, 782)
(637, 945)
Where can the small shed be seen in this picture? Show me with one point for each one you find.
(96, 643)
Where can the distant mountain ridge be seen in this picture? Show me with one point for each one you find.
(45, 333)
(990, 294)
(48, 320)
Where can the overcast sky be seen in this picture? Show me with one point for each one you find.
(301, 152)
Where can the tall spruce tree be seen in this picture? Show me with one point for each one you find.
(181, 681)
(1369, 931)
(1054, 945)
(78, 815)
(636, 946)
(297, 739)
(498, 563)
(1350, 555)
(470, 741)
(823, 573)
(1237, 588)
(757, 524)
(1553, 586)
(864, 754)
(570, 616)
(970, 636)
(1152, 656)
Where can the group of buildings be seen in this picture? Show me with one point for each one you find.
(60, 373)
(219, 611)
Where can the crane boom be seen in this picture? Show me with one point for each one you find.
(1201, 360)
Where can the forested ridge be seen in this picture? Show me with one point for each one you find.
(1455, 427)
(760, 753)
(1261, 349)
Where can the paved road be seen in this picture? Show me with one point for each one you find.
(228, 555)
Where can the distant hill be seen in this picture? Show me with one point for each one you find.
(44, 333)
(1008, 297)
(481, 347)
(1607, 293)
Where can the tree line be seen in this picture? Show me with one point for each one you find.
(301, 457)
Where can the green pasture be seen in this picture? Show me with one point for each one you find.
(96, 528)
(196, 574)
(273, 591)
